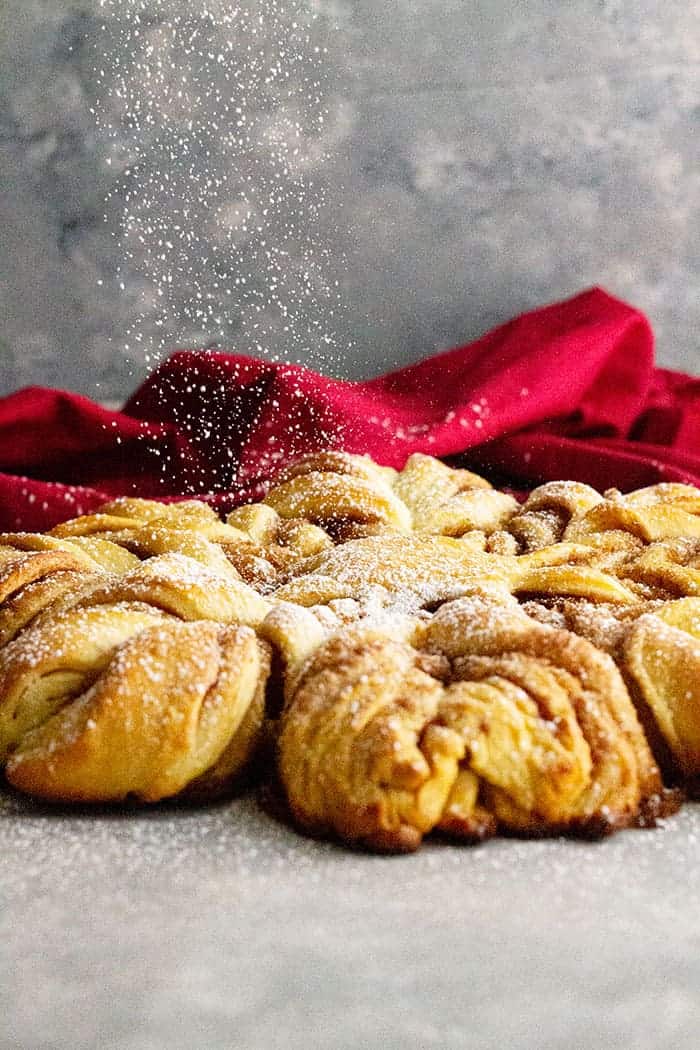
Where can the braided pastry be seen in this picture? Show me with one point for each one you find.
(353, 497)
(254, 540)
(349, 754)
(56, 656)
(276, 544)
(178, 706)
(487, 720)
(413, 571)
(50, 667)
(334, 490)
(605, 624)
(571, 569)
(583, 762)
(448, 502)
(669, 568)
(547, 512)
(442, 658)
(146, 528)
(181, 586)
(91, 551)
(656, 645)
(335, 462)
(421, 571)
(36, 572)
(658, 512)
(128, 513)
(662, 658)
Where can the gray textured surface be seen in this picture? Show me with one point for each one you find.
(175, 930)
(475, 159)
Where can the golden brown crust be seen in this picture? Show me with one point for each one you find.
(358, 755)
(414, 571)
(444, 659)
(669, 568)
(34, 598)
(68, 630)
(95, 551)
(129, 513)
(53, 660)
(276, 545)
(604, 624)
(544, 516)
(179, 585)
(326, 498)
(487, 643)
(662, 657)
(332, 461)
(19, 568)
(167, 708)
(509, 724)
(445, 501)
(659, 512)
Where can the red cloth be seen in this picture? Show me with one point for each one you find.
(567, 391)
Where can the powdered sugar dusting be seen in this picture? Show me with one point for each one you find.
(218, 124)
(238, 841)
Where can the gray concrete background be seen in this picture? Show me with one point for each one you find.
(456, 162)
(222, 929)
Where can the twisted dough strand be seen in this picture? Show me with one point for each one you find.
(418, 694)
(576, 695)
(444, 501)
(352, 496)
(546, 513)
(662, 658)
(658, 512)
(62, 737)
(179, 585)
(178, 704)
(35, 572)
(50, 661)
(356, 755)
(488, 719)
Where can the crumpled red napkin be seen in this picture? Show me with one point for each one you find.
(566, 391)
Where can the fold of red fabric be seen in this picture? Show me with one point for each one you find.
(566, 391)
